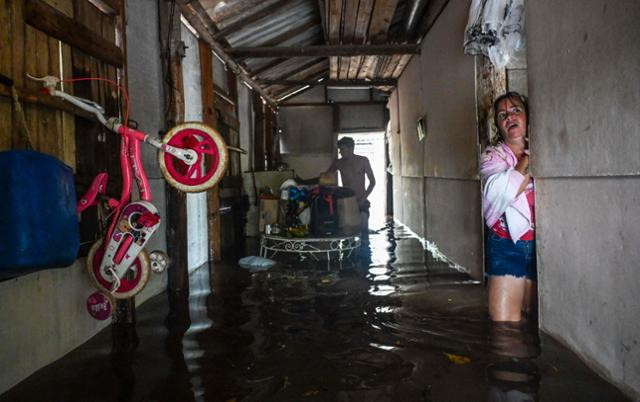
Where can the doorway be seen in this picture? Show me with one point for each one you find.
(371, 145)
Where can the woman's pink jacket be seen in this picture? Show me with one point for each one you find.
(500, 185)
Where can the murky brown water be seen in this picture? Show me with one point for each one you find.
(395, 326)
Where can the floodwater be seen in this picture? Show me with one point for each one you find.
(395, 325)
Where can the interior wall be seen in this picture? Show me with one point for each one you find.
(144, 74)
(585, 140)
(197, 228)
(310, 125)
(440, 85)
(394, 138)
(411, 101)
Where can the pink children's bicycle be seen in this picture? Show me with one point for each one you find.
(192, 157)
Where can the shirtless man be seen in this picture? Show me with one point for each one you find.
(353, 169)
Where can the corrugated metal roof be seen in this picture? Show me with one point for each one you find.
(297, 23)
(297, 14)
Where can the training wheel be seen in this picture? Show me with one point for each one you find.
(133, 281)
(211, 163)
(160, 261)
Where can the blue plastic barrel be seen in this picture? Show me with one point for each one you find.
(38, 220)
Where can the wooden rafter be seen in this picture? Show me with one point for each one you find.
(360, 35)
(49, 20)
(362, 22)
(323, 50)
(206, 29)
(381, 20)
(348, 34)
(334, 19)
(341, 83)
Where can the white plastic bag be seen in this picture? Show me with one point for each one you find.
(495, 29)
(256, 263)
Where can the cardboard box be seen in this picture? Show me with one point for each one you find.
(349, 221)
(268, 213)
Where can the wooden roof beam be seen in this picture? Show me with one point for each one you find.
(323, 51)
(337, 83)
(206, 29)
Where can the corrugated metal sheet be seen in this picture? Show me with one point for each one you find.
(289, 18)
(293, 23)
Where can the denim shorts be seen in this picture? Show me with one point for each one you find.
(513, 259)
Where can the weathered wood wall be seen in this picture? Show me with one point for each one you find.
(38, 41)
(24, 49)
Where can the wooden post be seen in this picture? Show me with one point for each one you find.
(174, 113)
(259, 149)
(209, 118)
(268, 138)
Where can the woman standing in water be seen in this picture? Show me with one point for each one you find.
(508, 207)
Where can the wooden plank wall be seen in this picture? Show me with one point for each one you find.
(97, 150)
(24, 49)
(68, 135)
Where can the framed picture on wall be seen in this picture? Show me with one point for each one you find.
(422, 127)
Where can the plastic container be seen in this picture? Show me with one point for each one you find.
(37, 213)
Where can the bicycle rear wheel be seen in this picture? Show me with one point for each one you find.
(133, 281)
(211, 163)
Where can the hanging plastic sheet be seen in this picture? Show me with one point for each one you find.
(495, 29)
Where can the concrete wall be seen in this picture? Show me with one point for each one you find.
(585, 141)
(197, 229)
(439, 85)
(310, 126)
(43, 313)
(147, 105)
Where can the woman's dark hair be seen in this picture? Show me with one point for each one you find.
(512, 96)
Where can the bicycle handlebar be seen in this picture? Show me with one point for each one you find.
(84, 104)
(51, 82)
(188, 156)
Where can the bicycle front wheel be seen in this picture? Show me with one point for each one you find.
(211, 163)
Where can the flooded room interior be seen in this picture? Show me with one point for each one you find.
(319, 200)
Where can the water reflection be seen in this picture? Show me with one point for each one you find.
(513, 374)
(124, 344)
(176, 386)
(395, 324)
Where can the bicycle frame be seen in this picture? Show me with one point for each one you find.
(132, 223)
(122, 245)
(192, 158)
